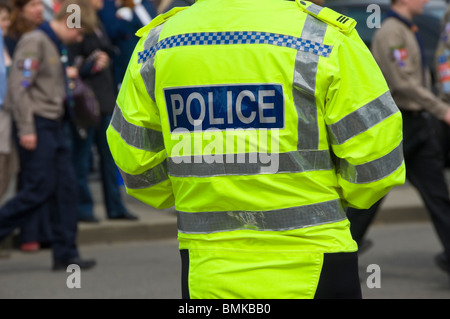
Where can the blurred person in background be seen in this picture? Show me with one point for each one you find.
(442, 61)
(95, 52)
(5, 120)
(38, 76)
(8, 166)
(5, 17)
(50, 8)
(26, 15)
(6, 170)
(122, 18)
(167, 5)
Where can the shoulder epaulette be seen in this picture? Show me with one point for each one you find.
(159, 20)
(341, 22)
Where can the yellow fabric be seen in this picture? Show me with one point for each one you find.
(256, 275)
(242, 262)
(261, 264)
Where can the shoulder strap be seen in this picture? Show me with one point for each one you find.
(160, 19)
(327, 15)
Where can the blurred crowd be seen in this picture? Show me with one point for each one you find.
(99, 61)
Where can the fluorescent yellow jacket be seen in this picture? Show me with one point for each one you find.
(260, 122)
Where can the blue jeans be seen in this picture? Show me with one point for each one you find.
(82, 152)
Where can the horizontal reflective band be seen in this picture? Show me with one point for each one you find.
(251, 163)
(237, 37)
(137, 136)
(273, 220)
(374, 170)
(362, 119)
(147, 179)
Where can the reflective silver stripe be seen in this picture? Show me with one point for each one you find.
(137, 136)
(314, 9)
(147, 179)
(362, 119)
(374, 170)
(148, 67)
(252, 164)
(304, 87)
(273, 220)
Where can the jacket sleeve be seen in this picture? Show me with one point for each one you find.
(363, 123)
(136, 141)
(25, 67)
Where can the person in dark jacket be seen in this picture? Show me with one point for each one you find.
(95, 69)
(122, 19)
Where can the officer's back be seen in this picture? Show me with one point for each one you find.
(260, 140)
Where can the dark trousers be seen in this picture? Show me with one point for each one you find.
(48, 179)
(37, 226)
(339, 278)
(425, 171)
(82, 151)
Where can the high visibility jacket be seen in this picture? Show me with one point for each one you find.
(260, 122)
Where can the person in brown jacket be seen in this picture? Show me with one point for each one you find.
(36, 97)
(397, 48)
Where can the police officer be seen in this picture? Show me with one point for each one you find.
(36, 93)
(397, 49)
(260, 122)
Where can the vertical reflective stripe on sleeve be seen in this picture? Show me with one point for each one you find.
(305, 73)
(148, 68)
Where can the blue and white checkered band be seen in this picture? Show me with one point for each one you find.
(239, 37)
